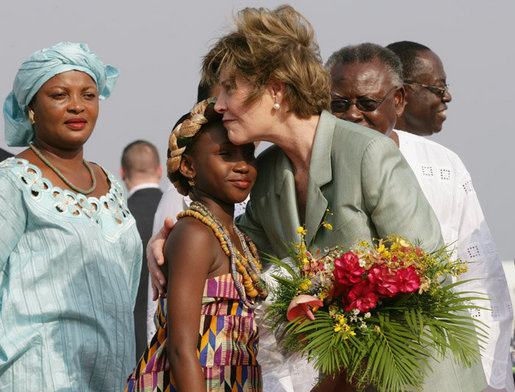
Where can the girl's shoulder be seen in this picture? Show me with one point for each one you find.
(192, 248)
(190, 232)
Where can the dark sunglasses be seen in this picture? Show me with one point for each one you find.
(436, 90)
(341, 105)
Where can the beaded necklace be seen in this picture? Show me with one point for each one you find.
(248, 265)
(62, 177)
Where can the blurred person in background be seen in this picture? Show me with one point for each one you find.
(141, 172)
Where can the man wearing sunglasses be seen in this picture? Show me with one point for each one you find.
(363, 76)
(440, 172)
(367, 86)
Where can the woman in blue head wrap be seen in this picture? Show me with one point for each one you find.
(70, 253)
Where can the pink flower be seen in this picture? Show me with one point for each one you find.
(408, 280)
(347, 270)
(300, 306)
(362, 297)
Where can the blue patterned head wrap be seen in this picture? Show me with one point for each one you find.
(40, 67)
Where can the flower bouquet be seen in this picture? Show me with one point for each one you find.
(379, 312)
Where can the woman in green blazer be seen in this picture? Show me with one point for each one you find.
(273, 87)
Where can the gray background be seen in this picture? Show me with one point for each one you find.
(158, 44)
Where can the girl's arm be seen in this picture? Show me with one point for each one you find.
(189, 251)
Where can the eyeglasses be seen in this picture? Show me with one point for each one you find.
(436, 90)
(341, 105)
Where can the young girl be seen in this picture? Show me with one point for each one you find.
(207, 338)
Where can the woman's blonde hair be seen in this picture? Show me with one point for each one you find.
(273, 45)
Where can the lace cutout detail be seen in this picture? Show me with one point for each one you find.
(445, 174)
(32, 179)
(66, 202)
(475, 313)
(427, 171)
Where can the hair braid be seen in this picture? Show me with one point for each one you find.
(180, 139)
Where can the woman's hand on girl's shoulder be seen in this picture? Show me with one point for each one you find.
(155, 258)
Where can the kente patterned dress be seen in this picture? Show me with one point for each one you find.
(69, 272)
(227, 345)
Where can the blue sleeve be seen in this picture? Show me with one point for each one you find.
(13, 216)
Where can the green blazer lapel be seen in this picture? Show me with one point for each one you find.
(286, 198)
(320, 174)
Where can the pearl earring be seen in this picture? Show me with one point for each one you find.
(277, 106)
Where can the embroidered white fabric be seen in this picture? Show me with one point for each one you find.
(282, 372)
(447, 185)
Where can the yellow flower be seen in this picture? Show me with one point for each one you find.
(302, 230)
(337, 328)
(327, 225)
(403, 243)
(305, 285)
(377, 329)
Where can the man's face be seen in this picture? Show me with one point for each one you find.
(426, 106)
(361, 84)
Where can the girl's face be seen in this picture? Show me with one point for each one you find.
(244, 123)
(66, 110)
(222, 170)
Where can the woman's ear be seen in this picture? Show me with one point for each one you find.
(187, 167)
(276, 89)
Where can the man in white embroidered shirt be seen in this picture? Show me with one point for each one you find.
(368, 89)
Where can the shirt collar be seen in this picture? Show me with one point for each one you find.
(142, 186)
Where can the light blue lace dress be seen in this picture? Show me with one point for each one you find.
(69, 272)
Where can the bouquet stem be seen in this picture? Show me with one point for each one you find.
(336, 383)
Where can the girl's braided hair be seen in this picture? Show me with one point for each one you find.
(182, 137)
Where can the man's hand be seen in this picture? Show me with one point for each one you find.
(155, 258)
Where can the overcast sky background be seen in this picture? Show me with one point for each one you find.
(158, 44)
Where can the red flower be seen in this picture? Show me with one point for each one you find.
(347, 270)
(408, 279)
(386, 281)
(362, 297)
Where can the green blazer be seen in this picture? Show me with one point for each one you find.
(359, 175)
(370, 190)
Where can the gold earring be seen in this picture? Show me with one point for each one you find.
(191, 182)
(31, 117)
